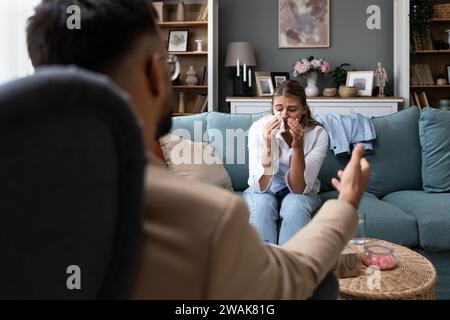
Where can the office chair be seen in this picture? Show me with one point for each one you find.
(72, 161)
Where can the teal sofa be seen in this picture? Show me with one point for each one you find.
(396, 206)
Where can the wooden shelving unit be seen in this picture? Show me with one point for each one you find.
(432, 51)
(435, 86)
(205, 62)
(187, 24)
(191, 87)
(437, 21)
(430, 60)
(190, 53)
(178, 114)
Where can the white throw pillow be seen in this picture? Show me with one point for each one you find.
(194, 160)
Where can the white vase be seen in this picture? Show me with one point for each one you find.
(180, 12)
(448, 35)
(199, 45)
(312, 90)
(181, 106)
(191, 77)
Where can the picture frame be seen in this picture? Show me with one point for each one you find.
(264, 84)
(279, 77)
(178, 40)
(364, 80)
(303, 24)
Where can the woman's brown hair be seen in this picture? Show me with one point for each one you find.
(292, 88)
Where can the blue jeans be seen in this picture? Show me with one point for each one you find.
(292, 211)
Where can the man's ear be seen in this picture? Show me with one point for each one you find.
(155, 75)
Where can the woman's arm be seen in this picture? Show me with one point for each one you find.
(266, 162)
(296, 176)
(297, 171)
(306, 169)
(260, 156)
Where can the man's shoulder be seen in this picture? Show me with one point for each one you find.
(169, 193)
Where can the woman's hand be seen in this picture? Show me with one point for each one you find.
(297, 132)
(269, 133)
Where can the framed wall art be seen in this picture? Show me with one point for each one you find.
(303, 23)
(178, 40)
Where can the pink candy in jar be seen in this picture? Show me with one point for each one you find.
(379, 255)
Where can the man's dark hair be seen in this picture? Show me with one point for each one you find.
(109, 28)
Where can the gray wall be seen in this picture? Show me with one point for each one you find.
(256, 21)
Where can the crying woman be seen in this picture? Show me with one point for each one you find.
(286, 151)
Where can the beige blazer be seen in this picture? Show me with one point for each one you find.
(197, 244)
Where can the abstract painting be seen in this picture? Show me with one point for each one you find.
(304, 23)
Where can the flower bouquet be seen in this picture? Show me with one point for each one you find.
(306, 66)
(310, 68)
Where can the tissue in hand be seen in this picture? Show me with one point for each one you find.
(280, 120)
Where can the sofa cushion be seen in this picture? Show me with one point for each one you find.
(190, 127)
(396, 159)
(384, 220)
(432, 213)
(194, 160)
(330, 167)
(228, 133)
(434, 133)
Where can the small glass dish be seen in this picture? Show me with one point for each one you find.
(379, 255)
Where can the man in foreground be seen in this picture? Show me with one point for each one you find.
(197, 242)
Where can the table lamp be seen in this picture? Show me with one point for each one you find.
(241, 56)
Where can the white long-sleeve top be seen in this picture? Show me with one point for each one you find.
(315, 149)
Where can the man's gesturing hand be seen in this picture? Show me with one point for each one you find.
(354, 178)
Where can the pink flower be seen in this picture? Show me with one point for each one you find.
(325, 68)
(316, 63)
(304, 68)
(301, 67)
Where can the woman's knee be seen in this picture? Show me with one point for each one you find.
(295, 204)
(261, 203)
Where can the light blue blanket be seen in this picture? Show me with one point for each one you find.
(346, 130)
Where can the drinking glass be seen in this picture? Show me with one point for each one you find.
(358, 239)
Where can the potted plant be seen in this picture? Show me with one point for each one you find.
(340, 74)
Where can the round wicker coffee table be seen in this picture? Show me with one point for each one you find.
(413, 278)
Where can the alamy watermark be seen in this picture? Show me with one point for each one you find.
(373, 21)
(74, 20)
(74, 280)
(374, 278)
(226, 146)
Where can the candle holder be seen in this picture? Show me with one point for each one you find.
(241, 88)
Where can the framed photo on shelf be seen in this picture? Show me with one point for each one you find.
(264, 85)
(363, 80)
(178, 40)
(279, 77)
(303, 24)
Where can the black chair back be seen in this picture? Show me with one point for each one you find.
(71, 187)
